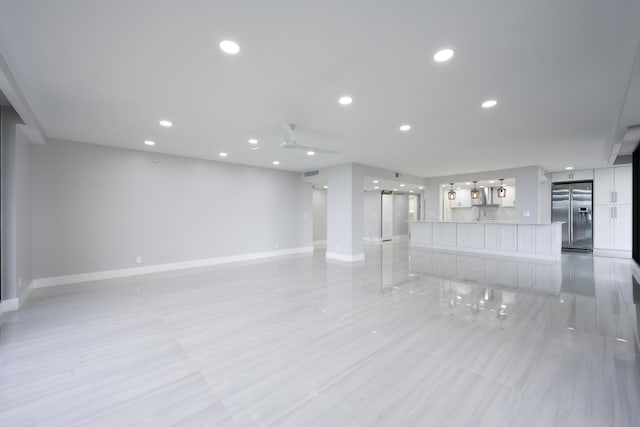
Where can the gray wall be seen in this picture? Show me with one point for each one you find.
(96, 208)
(372, 215)
(400, 214)
(16, 206)
(319, 215)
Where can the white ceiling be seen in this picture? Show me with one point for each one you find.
(106, 72)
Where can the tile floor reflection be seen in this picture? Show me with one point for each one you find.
(407, 337)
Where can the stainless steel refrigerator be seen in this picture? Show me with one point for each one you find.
(572, 203)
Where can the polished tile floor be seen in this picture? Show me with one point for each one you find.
(408, 337)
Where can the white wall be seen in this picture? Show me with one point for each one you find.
(319, 215)
(96, 208)
(16, 206)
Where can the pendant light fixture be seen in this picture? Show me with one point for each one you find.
(452, 194)
(502, 192)
(475, 193)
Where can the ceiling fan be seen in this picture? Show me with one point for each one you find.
(290, 142)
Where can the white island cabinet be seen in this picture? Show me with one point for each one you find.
(542, 241)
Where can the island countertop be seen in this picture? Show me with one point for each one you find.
(496, 238)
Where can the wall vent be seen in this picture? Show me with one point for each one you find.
(311, 173)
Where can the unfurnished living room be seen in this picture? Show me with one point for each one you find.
(335, 213)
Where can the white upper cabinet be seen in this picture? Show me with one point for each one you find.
(612, 186)
(603, 183)
(510, 199)
(623, 182)
(568, 176)
(462, 200)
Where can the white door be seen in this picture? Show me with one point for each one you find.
(387, 216)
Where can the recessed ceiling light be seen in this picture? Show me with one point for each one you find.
(569, 168)
(375, 188)
(229, 46)
(275, 162)
(489, 103)
(222, 154)
(149, 143)
(375, 181)
(165, 123)
(395, 189)
(410, 191)
(253, 141)
(311, 153)
(401, 185)
(345, 100)
(467, 183)
(421, 187)
(325, 186)
(255, 148)
(405, 128)
(443, 55)
(491, 182)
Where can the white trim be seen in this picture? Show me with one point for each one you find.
(530, 255)
(9, 305)
(319, 242)
(612, 253)
(372, 239)
(344, 257)
(158, 268)
(401, 237)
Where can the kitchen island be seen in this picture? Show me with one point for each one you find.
(542, 241)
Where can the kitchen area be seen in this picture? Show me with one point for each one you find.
(527, 212)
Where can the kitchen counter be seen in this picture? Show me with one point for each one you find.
(543, 241)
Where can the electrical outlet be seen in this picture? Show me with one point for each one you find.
(139, 259)
(526, 213)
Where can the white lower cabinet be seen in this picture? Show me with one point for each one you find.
(612, 227)
(622, 227)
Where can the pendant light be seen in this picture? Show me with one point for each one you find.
(475, 193)
(502, 192)
(452, 194)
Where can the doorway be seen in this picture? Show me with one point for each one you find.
(387, 216)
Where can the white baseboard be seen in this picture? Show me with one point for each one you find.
(15, 303)
(344, 257)
(9, 305)
(612, 253)
(372, 239)
(159, 268)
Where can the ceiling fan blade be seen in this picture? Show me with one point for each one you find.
(316, 149)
